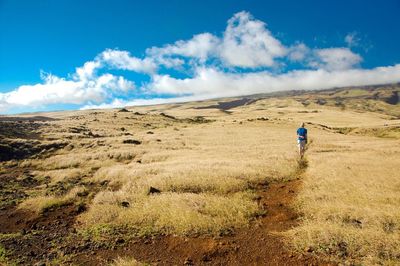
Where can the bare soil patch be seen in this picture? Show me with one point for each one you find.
(51, 236)
(260, 244)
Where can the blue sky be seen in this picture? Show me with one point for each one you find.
(145, 52)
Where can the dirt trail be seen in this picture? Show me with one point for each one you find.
(52, 235)
(260, 244)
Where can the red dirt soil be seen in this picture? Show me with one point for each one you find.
(260, 244)
(51, 235)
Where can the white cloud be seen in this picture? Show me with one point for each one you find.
(138, 102)
(56, 90)
(123, 60)
(210, 83)
(335, 59)
(201, 46)
(248, 43)
(352, 39)
(238, 62)
(245, 43)
(298, 52)
(214, 83)
(87, 70)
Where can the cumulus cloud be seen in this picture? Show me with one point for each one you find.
(123, 60)
(215, 83)
(201, 46)
(335, 59)
(56, 90)
(211, 83)
(241, 60)
(248, 43)
(87, 71)
(298, 52)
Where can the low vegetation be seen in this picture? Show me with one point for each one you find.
(203, 182)
(350, 200)
(126, 262)
(40, 204)
(192, 169)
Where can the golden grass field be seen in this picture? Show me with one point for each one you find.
(195, 176)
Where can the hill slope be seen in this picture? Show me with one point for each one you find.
(206, 182)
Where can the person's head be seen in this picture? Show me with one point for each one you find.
(302, 124)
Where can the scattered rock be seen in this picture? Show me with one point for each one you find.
(125, 204)
(82, 193)
(132, 141)
(150, 132)
(119, 241)
(168, 116)
(153, 190)
(104, 183)
(205, 258)
(80, 208)
(92, 135)
(320, 101)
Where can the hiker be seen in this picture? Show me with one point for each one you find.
(301, 139)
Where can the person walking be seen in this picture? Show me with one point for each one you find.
(301, 139)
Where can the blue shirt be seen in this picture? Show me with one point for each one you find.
(302, 132)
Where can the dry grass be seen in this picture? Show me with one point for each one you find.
(203, 176)
(204, 171)
(350, 200)
(173, 213)
(41, 203)
(126, 262)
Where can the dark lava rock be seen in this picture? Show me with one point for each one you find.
(80, 208)
(123, 110)
(168, 116)
(125, 204)
(104, 183)
(320, 101)
(393, 99)
(153, 190)
(119, 241)
(132, 141)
